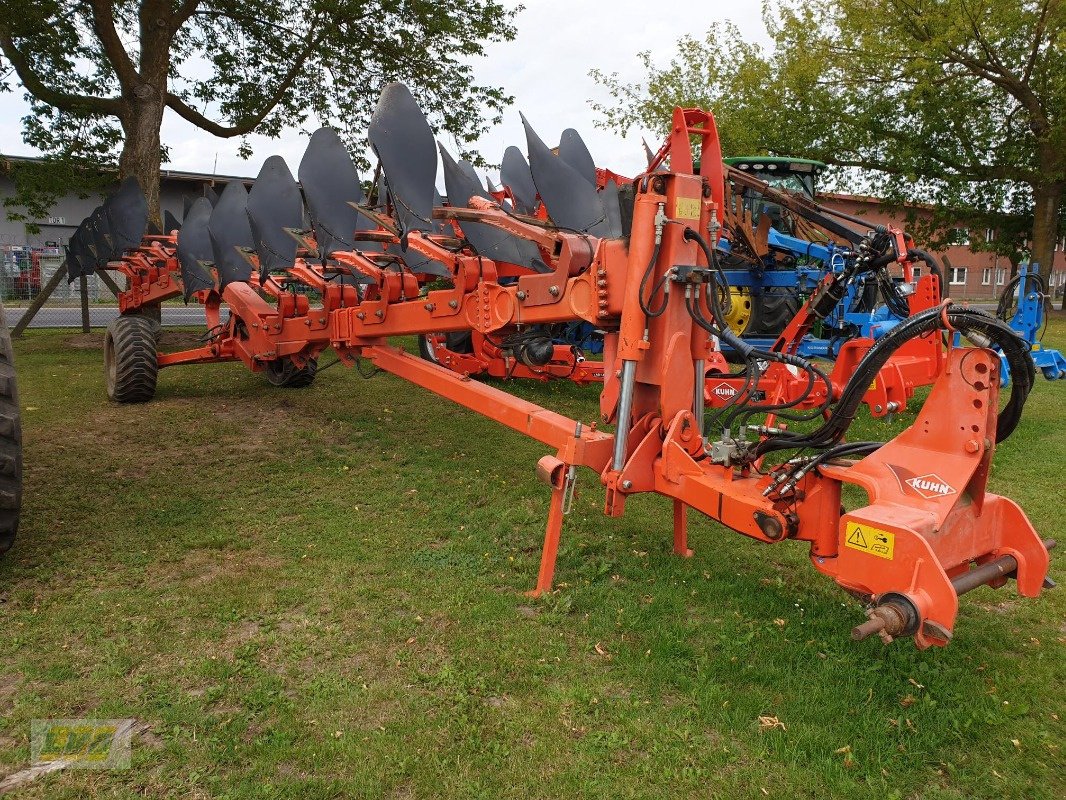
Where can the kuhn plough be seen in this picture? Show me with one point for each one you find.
(749, 253)
(637, 262)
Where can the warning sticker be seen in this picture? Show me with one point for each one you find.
(687, 208)
(874, 541)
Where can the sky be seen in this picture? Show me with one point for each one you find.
(545, 68)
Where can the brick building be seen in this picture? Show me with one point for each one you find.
(969, 274)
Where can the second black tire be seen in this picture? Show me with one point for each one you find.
(131, 363)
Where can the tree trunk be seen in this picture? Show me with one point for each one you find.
(1046, 200)
(141, 151)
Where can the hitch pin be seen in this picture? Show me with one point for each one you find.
(571, 479)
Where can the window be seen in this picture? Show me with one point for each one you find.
(957, 276)
(959, 236)
(990, 234)
(1001, 276)
(986, 276)
(916, 272)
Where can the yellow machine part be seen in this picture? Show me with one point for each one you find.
(741, 309)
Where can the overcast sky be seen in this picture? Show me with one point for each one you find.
(545, 68)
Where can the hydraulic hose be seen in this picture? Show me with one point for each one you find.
(930, 261)
(970, 322)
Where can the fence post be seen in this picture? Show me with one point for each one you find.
(84, 304)
(40, 300)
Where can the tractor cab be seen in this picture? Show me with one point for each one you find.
(790, 174)
(798, 175)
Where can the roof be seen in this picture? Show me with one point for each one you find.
(166, 174)
(775, 160)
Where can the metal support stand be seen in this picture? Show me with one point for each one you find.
(681, 530)
(39, 301)
(551, 541)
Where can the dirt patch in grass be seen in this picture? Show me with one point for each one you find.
(200, 567)
(84, 341)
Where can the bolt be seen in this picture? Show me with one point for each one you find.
(321, 320)
(553, 291)
(627, 484)
(877, 409)
(972, 446)
(520, 295)
(453, 304)
(361, 315)
(307, 322)
(430, 306)
(379, 313)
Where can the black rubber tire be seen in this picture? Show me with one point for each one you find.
(10, 443)
(457, 342)
(282, 372)
(131, 363)
(773, 311)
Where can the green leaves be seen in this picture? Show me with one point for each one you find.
(952, 102)
(236, 66)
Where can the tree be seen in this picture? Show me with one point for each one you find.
(958, 103)
(99, 74)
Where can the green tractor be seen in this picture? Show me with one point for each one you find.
(766, 311)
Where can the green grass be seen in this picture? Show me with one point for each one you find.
(318, 594)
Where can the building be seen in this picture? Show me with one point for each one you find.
(28, 260)
(69, 211)
(969, 274)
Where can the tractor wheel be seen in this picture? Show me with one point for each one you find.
(10, 443)
(741, 309)
(456, 342)
(131, 364)
(283, 372)
(773, 311)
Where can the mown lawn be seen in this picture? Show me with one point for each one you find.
(318, 594)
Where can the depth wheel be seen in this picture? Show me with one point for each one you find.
(284, 373)
(10, 443)
(131, 364)
(456, 342)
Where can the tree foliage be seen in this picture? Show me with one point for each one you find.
(954, 103)
(99, 74)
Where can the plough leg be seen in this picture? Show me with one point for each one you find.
(681, 547)
(551, 541)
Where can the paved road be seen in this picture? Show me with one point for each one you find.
(100, 316)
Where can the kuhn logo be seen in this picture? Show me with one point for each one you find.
(930, 486)
(724, 390)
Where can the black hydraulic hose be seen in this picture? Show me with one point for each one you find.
(970, 322)
(930, 261)
(693, 235)
(813, 374)
(1006, 297)
(644, 306)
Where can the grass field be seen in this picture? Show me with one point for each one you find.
(317, 594)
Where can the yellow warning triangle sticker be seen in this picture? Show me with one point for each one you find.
(870, 540)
